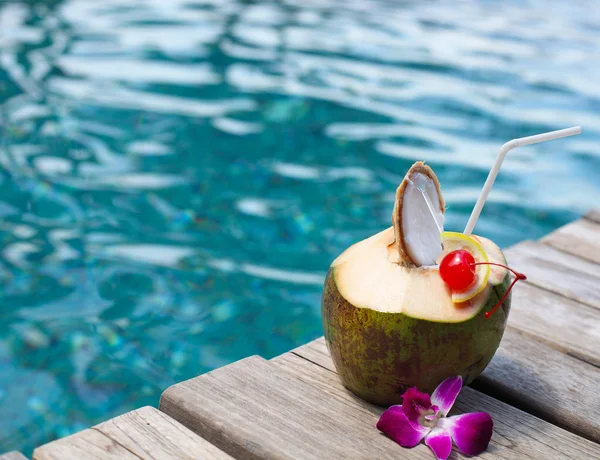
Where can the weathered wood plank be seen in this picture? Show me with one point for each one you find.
(551, 385)
(557, 271)
(145, 434)
(152, 435)
(516, 434)
(88, 444)
(530, 436)
(316, 352)
(324, 378)
(530, 375)
(13, 456)
(580, 238)
(564, 324)
(254, 410)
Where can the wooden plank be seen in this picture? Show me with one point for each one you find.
(542, 314)
(326, 380)
(316, 352)
(13, 456)
(593, 215)
(88, 444)
(580, 238)
(530, 375)
(152, 435)
(516, 435)
(254, 410)
(557, 271)
(144, 434)
(551, 385)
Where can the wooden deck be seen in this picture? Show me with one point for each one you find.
(542, 387)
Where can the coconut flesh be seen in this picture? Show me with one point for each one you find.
(388, 317)
(418, 217)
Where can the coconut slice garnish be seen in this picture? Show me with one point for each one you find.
(418, 217)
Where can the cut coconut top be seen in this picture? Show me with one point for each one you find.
(365, 277)
(418, 217)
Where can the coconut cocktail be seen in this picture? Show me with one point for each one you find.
(390, 319)
(413, 305)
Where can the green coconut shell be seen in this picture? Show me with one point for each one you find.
(378, 355)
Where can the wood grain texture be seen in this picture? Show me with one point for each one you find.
(580, 238)
(254, 410)
(152, 435)
(13, 456)
(557, 271)
(517, 435)
(564, 324)
(326, 380)
(88, 444)
(145, 434)
(530, 375)
(545, 382)
(316, 352)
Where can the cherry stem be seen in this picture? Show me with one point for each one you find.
(518, 276)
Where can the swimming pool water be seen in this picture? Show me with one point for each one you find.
(176, 176)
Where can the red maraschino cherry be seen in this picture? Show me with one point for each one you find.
(457, 270)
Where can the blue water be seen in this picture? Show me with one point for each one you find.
(176, 176)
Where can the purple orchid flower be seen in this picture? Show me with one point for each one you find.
(421, 416)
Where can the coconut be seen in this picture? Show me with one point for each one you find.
(389, 320)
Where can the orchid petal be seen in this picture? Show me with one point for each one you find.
(445, 394)
(395, 424)
(440, 442)
(415, 404)
(471, 432)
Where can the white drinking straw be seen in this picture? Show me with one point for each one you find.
(496, 168)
